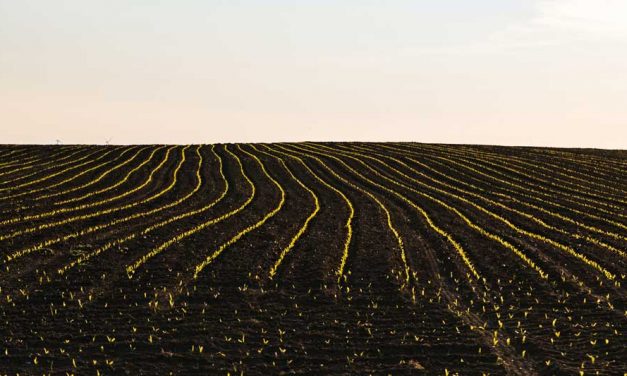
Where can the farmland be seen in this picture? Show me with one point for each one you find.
(318, 258)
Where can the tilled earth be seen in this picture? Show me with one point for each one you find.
(312, 258)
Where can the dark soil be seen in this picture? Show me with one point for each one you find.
(565, 210)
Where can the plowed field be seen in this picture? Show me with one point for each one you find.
(312, 258)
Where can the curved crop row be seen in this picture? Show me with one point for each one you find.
(529, 192)
(530, 234)
(25, 160)
(515, 199)
(452, 299)
(600, 170)
(49, 176)
(349, 228)
(48, 225)
(529, 216)
(502, 323)
(54, 212)
(390, 223)
(568, 173)
(587, 159)
(54, 163)
(460, 250)
(15, 153)
(117, 184)
(145, 214)
(28, 158)
(304, 226)
(96, 180)
(175, 239)
(558, 190)
(48, 187)
(582, 185)
(209, 259)
(527, 260)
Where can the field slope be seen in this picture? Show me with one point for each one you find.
(316, 258)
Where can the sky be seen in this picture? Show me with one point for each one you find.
(508, 72)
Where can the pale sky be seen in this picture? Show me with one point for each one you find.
(528, 72)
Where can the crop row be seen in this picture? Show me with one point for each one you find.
(487, 236)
